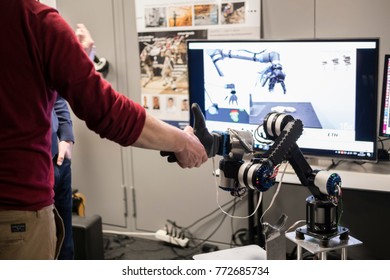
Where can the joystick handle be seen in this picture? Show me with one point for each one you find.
(200, 130)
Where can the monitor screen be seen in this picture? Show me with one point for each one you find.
(384, 129)
(331, 85)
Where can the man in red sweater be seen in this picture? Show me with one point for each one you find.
(40, 54)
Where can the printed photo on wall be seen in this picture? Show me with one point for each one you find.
(180, 16)
(205, 14)
(163, 58)
(155, 17)
(233, 13)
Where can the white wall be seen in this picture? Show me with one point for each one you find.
(100, 167)
(51, 3)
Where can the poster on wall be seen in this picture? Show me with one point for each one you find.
(163, 28)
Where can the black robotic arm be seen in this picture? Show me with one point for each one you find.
(237, 172)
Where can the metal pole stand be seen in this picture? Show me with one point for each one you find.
(318, 247)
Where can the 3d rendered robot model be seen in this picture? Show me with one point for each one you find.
(272, 74)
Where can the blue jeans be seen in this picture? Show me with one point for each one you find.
(63, 203)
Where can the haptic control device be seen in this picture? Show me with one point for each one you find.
(242, 168)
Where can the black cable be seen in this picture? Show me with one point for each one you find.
(211, 234)
(179, 256)
(333, 165)
(208, 215)
(224, 217)
(381, 141)
(184, 231)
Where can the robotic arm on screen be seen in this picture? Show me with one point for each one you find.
(272, 74)
(241, 168)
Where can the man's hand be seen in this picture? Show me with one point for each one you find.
(194, 153)
(64, 151)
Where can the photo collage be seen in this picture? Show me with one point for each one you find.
(163, 31)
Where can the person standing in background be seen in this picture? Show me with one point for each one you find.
(62, 146)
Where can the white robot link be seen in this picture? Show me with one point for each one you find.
(272, 74)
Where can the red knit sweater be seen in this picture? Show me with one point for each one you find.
(39, 53)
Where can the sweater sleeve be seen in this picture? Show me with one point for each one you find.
(92, 99)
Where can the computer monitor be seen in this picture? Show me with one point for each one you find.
(329, 84)
(384, 129)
